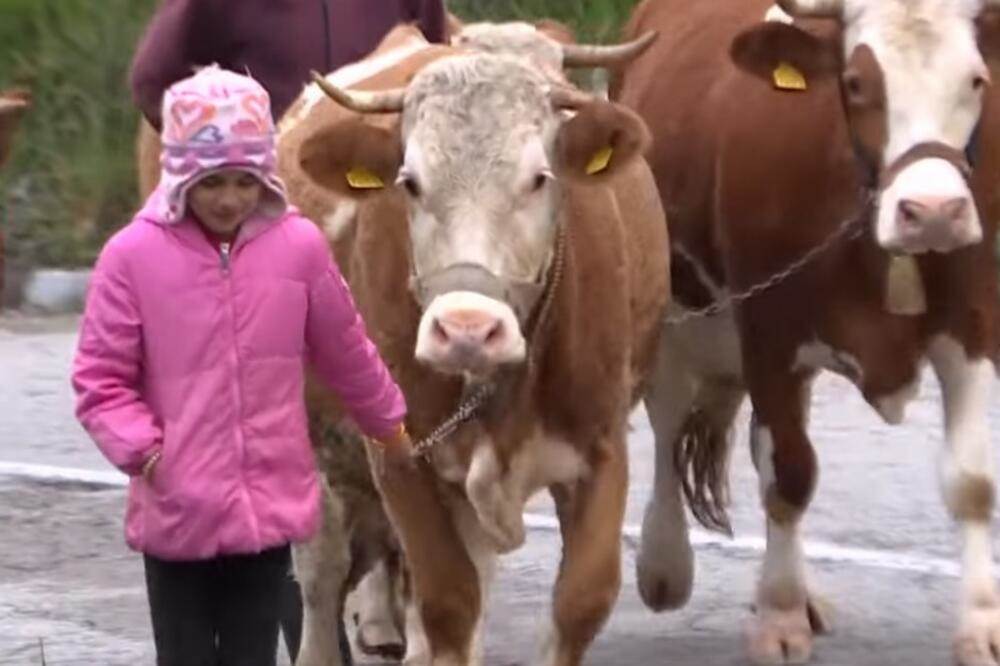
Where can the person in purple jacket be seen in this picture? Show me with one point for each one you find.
(278, 43)
(189, 375)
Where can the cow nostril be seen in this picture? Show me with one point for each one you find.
(495, 333)
(439, 332)
(955, 209)
(910, 211)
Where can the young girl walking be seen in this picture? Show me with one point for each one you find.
(201, 316)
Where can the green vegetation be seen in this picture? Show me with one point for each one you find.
(72, 179)
(71, 182)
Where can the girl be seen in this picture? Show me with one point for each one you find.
(189, 374)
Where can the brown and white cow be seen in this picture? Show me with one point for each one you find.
(323, 565)
(12, 107)
(506, 235)
(846, 142)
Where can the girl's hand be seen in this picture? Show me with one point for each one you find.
(150, 465)
(396, 451)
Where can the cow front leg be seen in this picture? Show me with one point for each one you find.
(967, 483)
(321, 567)
(590, 517)
(781, 632)
(445, 581)
(378, 630)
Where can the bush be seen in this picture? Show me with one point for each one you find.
(72, 178)
(592, 20)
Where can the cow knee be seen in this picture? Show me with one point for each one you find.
(969, 497)
(788, 471)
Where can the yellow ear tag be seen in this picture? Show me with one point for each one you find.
(787, 77)
(360, 178)
(600, 161)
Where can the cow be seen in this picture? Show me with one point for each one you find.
(13, 104)
(829, 176)
(322, 565)
(508, 252)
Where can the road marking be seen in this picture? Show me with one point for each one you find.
(816, 551)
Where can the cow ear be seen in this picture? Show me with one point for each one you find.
(785, 56)
(599, 140)
(352, 158)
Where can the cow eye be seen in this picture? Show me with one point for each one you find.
(540, 180)
(410, 184)
(853, 87)
(980, 81)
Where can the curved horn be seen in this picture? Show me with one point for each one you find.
(383, 101)
(567, 97)
(585, 55)
(813, 8)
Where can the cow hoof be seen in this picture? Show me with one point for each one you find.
(664, 567)
(977, 642)
(379, 640)
(662, 587)
(777, 637)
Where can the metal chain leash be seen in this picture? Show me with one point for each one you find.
(845, 230)
(467, 409)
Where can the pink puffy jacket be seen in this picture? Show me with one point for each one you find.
(200, 355)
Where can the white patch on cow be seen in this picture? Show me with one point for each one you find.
(430, 349)
(516, 38)
(776, 14)
(479, 545)
(499, 498)
(374, 606)
(762, 450)
(486, 192)
(338, 222)
(818, 355)
(967, 480)
(418, 648)
(926, 182)
(352, 74)
(892, 407)
(928, 54)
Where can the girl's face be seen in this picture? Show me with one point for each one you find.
(223, 200)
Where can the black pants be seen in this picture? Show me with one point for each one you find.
(219, 612)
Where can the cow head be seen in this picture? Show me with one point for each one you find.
(912, 83)
(548, 44)
(12, 107)
(483, 154)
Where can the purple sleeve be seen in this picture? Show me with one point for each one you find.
(431, 17)
(179, 36)
(345, 358)
(107, 371)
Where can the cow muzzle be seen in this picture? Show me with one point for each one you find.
(472, 321)
(926, 204)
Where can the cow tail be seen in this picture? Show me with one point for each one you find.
(701, 458)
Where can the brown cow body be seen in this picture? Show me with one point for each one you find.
(556, 422)
(12, 106)
(753, 179)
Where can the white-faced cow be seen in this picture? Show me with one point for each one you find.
(835, 171)
(509, 250)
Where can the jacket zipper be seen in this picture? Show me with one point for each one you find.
(225, 259)
(224, 252)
